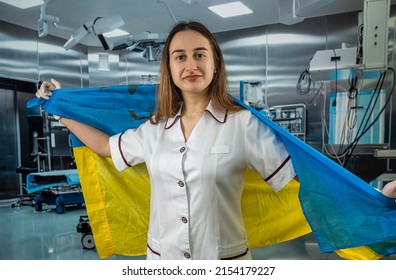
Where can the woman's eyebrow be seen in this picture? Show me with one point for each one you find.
(196, 49)
(201, 49)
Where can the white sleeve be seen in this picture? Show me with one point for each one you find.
(127, 149)
(267, 154)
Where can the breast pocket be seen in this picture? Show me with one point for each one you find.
(216, 150)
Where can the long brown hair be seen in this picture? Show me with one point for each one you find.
(169, 95)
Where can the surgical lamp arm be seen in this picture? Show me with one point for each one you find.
(45, 19)
(98, 26)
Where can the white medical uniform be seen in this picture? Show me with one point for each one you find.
(196, 186)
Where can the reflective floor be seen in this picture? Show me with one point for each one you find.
(27, 234)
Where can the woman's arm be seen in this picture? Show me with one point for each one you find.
(93, 138)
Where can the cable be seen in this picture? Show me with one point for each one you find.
(335, 99)
(316, 96)
(304, 80)
(359, 49)
(353, 145)
(333, 155)
(305, 86)
(378, 87)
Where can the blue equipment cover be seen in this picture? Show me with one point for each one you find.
(45, 180)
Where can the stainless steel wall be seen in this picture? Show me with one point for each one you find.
(24, 56)
(8, 147)
(18, 52)
(277, 54)
(14, 138)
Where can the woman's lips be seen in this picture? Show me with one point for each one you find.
(192, 77)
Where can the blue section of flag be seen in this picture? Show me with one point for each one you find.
(342, 210)
(107, 108)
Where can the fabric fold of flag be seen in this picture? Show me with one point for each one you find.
(342, 211)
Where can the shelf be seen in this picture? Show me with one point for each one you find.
(385, 153)
(287, 119)
(361, 149)
(292, 118)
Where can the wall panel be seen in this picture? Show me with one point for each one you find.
(8, 147)
(18, 52)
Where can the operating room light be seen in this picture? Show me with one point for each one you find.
(97, 27)
(115, 33)
(231, 9)
(23, 4)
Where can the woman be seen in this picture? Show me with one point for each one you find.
(196, 148)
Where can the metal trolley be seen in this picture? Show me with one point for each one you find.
(84, 227)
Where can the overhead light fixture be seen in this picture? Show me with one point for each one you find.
(140, 41)
(292, 11)
(23, 4)
(287, 12)
(97, 27)
(150, 45)
(231, 9)
(153, 53)
(312, 6)
(76, 38)
(42, 23)
(115, 33)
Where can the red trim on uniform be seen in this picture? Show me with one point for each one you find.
(119, 147)
(225, 116)
(236, 257)
(277, 170)
(174, 121)
(152, 251)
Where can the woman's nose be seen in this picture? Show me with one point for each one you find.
(191, 64)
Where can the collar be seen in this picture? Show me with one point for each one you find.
(219, 116)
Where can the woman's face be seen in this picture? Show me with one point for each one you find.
(191, 62)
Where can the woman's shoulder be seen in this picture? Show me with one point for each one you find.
(243, 113)
(240, 117)
(150, 125)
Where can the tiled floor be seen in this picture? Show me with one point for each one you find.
(26, 234)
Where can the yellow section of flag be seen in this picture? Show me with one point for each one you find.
(118, 205)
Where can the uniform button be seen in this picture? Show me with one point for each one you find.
(181, 184)
(184, 220)
(182, 149)
(187, 255)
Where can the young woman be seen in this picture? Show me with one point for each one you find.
(196, 148)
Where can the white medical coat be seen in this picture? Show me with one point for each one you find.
(196, 186)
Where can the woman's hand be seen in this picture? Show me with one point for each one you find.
(390, 189)
(46, 88)
(45, 91)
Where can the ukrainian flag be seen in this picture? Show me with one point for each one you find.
(345, 214)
